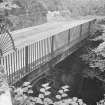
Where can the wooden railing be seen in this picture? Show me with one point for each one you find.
(31, 56)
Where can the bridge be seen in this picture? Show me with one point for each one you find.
(29, 53)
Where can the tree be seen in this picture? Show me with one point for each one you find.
(30, 13)
(4, 7)
(95, 56)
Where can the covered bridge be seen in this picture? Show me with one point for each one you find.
(27, 49)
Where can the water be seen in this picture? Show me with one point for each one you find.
(70, 72)
(89, 89)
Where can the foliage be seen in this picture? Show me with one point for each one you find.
(30, 13)
(33, 12)
(94, 56)
(5, 22)
(8, 5)
(76, 7)
(94, 60)
(101, 102)
(3, 81)
(24, 96)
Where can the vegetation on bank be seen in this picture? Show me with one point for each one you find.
(24, 96)
(94, 55)
(34, 12)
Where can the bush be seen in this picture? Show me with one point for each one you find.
(24, 96)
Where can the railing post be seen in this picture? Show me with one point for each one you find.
(80, 30)
(89, 27)
(5, 95)
(1, 54)
(52, 47)
(69, 37)
(52, 52)
(26, 58)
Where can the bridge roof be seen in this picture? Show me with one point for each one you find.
(27, 36)
(30, 35)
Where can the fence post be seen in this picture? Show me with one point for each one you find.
(52, 47)
(26, 58)
(5, 96)
(1, 54)
(80, 30)
(89, 27)
(52, 52)
(69, 37)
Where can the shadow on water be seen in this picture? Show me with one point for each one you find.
(86, 88)
(70, 72)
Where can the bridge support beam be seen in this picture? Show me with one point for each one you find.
(26, 58)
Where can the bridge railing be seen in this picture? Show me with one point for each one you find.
(30, 57)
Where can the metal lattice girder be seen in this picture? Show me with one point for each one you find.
(6, 41)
